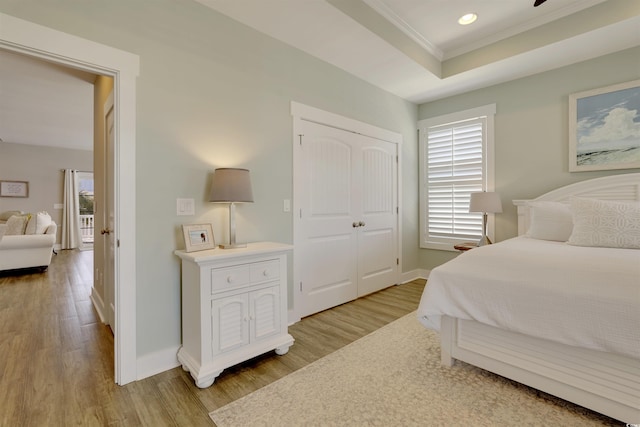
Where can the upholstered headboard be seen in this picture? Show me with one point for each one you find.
(625, 187)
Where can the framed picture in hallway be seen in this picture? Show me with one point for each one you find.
(14, 189)
(604, 128)
(198, 237)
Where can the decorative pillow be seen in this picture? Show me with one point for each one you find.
(17, 224)
(38, 223)
(3, 229)
(550, 221)
(4, 216)
(605, 223)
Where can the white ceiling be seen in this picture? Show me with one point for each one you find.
(412, 48)
(417, 50)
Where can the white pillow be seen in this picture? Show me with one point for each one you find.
(38, 223)
(4, 216)
(550, 221)
(3, 229)
(16, 224)
(605, 224)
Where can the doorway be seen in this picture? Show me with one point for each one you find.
(36, 41)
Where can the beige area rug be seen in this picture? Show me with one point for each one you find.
(393, 377)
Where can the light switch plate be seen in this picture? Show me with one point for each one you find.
(287, 205)
(185, 207)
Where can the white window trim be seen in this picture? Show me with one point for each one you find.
(487, 111)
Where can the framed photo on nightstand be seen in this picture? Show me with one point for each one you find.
(198, 237)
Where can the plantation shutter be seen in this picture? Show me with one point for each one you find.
(455, 167)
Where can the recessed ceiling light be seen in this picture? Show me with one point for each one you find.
(467, 19)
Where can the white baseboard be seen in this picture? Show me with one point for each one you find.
(419, 273)
(292, 317)
(159, 361)
(98, 304)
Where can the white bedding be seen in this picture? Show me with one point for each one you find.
(581, 296)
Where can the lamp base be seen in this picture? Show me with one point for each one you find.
(232, 245)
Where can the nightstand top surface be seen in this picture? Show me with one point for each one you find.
(255, 248)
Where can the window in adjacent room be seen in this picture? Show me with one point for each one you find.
(456, 159)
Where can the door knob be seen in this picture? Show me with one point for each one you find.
(361, 224)
(355, 224)
(105, 231)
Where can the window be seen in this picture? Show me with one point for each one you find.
(86, 203)
(456, 159)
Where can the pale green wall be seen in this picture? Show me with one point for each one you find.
(531, 131)
(215, 93)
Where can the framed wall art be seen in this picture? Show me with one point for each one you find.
(198, 237)
(14, 189)
(604, 128)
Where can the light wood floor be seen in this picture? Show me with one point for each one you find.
(56, 358)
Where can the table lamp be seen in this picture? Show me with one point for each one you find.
(231, 185)
(485, 202)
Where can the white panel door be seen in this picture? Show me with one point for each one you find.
(378, 216)
(109, 214)
(327, 241)
(346, 242)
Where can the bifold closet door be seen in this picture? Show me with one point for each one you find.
(347, 235)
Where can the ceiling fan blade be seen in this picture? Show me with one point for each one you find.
(538, 3)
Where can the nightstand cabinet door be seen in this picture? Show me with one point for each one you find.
(265, 313)
(230, 323)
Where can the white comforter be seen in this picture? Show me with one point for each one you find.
(581, 296)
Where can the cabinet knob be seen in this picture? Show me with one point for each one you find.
(265, 273)
(361, 224)
(230, 279)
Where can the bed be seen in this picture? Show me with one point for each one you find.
(558, 307)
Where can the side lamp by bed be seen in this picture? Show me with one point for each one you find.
(485, 202)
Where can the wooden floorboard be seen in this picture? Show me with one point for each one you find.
(56, 357)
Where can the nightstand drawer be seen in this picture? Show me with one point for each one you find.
(225, 278)
(264, 271)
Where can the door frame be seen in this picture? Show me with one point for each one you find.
(300, 113)
(45, 43)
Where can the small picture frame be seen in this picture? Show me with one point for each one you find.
(14, 189)
(198, 237)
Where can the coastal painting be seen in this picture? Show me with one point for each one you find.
(604, 128)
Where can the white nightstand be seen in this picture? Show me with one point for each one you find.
(234, 307)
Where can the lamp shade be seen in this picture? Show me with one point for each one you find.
(231, 185)
(487, 202)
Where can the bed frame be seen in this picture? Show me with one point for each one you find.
(604, 382)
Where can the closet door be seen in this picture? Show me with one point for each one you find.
(346, 242)
(326, 247)
(377, 212)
